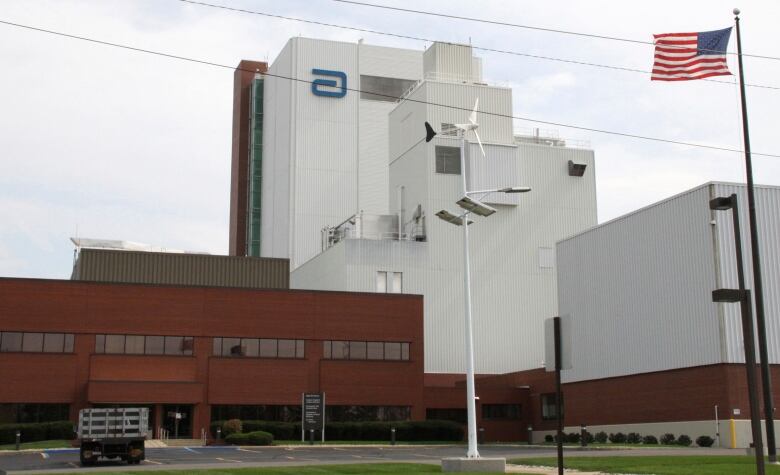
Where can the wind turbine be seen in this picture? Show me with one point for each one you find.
(472, 125)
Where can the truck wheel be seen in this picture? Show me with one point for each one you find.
(87, 461)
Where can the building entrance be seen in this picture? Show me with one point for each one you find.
(177, 420)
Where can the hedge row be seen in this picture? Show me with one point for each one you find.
(250, 438)
(36, 432)
(405, 430)
(635, 438)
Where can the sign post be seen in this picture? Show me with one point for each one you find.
(557, 337)
(313, 414)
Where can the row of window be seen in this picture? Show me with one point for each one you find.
(493, 412)
(366, 350)
(36, 342)
(144, 345)
(28, 413)
(290, 413)
(223, 346)
(259, 347)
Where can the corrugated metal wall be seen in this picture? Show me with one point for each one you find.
(768, 222)
(104, 265)
(638, 289)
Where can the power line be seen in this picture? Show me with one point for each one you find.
(429, 40)
(305, 81)
(527, 27)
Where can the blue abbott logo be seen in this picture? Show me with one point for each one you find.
(317, 84)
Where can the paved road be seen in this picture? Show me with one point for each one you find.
(67, 461)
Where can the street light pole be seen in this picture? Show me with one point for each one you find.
(471, 405)
(748, 332)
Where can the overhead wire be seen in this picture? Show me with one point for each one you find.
(356, 90)
(430, 40)
(527, 27)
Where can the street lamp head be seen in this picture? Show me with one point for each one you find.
(445, 215)
(721, 203)
(515, 189)
(475, 206)
(728, 295)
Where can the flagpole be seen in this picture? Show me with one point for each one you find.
(766, 378)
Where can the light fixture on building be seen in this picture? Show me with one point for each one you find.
(577, 168)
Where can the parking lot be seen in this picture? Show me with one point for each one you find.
(194, 457)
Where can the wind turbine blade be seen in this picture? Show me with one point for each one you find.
(473, 115)
(480, 143)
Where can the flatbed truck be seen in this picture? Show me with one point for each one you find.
(112, 433)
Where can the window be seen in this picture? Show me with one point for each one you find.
(447, 414)
(257, 347)
(34, 342)
(30, 413)
(368, 413)
(377, 88)
(155, 345)
(140, 345)
(134, 344)
(365, 350)
(389, 282)
(448, 160)
(115, 344)
(548, 406)
(501, 411)
(256, 413)
(286, 348)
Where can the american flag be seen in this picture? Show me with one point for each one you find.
(686, 56)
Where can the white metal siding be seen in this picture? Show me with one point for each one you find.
(639, 291)
(316, 172)
(768, 222)
(277, 138)
(512, 295)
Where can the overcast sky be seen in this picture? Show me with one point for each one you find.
(115, 144)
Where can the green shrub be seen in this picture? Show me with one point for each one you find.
(619, 438)
(704, 441)
(237, 438)
(667, 439)
(572, 437)
(684, 440)
(600, 437)
(649, 440)
(589, 438)
(633, 438)
(548, 438)
(259, 438)
(280, 430)
(232, 426)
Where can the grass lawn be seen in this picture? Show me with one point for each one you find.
(356, 469)
(45, 444)
(364, 442)
(659, 465)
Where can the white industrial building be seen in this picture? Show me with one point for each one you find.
(407, 249)
(325, 156)
(651, 352)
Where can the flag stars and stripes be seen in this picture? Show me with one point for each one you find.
(686, 56)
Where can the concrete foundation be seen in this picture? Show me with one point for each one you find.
(464, 464)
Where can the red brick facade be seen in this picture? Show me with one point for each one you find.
(84, 378)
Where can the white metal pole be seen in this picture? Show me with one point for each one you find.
(471, 409)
